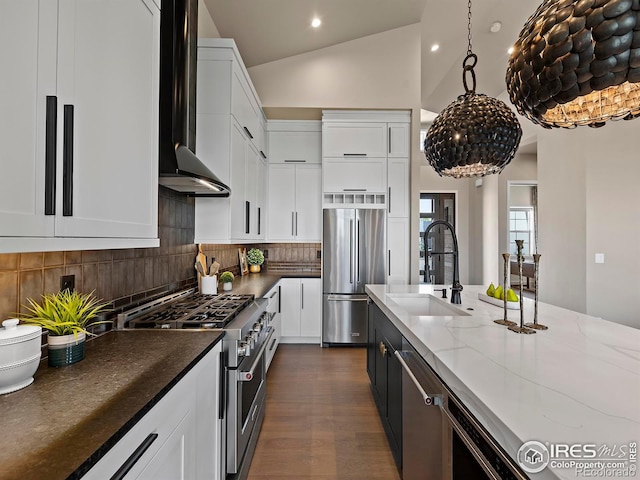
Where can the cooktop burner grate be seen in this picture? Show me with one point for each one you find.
(195, 311)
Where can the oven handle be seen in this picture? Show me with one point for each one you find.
(247, 376)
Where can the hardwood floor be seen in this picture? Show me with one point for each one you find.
(321, 421)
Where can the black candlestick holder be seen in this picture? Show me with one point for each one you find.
(535, 325)
(504, 321)
(521, 328)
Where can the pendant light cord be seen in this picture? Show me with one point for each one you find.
(470, 60)
(469, 52)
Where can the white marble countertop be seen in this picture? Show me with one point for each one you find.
(576, 383)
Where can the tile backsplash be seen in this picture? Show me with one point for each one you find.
(131, 276)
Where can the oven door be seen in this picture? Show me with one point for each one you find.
(247, 391)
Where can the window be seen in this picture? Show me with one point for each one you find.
(521, 227)
(423, 135)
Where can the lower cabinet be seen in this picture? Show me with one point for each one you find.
(180, 437)
(301, 310)
(385, 375)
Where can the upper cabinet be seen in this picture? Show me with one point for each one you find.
(347, 139)
(231, 141)
(79, 116)
(398, 140)
(295, 141)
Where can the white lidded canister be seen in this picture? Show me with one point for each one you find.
(19, 354)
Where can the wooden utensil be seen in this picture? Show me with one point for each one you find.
(215, 266)
(201, 258)
(199, 268)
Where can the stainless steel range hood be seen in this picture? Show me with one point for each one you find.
(180, 168)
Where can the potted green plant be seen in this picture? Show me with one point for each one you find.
(67, 316)
(255, 258)
(226, 278)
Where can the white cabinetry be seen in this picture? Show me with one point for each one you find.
(273, 308)
(180, 437)
(301, 302)
(295, 205)
(295, 141)
(398, 135)
(398, 189)
(365, 164)
(231, 142)
(346, 139)
(72, 130)
(398, 251)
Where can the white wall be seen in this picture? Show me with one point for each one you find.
(588, 203)
(206, 27)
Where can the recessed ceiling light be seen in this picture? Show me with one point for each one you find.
(435, 47)
(495, 27)
(315, 23)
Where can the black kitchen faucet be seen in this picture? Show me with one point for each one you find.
(456, 287)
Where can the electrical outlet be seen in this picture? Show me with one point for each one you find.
(266, 253)
(318, 254)
(68, 282)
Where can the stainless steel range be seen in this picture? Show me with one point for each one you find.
(247, 333)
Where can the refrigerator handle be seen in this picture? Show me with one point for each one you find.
(358, 251)
(350, 251)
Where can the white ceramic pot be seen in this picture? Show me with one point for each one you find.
(18, 342)
(18, 375)
(227, 286)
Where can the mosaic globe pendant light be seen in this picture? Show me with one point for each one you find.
(475, 135)
(577, 62)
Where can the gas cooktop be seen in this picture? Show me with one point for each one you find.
(194, 311)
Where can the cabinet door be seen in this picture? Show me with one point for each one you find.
(362, 139)
(398, 250)
(308, 218)
(238, 176)
(290, 306)
(176, 457)
(251, 190)
(362, 174)
(28, 76)
(398, 189)
(295, 147)
(108, 73)
(398, 134)
(261, 199)
(282, 202)
(310, 307)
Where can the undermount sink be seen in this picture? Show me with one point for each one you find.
(425, 304)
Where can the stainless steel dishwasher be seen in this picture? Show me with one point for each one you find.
(441, 440)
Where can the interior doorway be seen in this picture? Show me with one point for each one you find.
(437, 269)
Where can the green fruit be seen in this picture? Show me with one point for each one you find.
(499, 293)
(511, 296)
(491, 290)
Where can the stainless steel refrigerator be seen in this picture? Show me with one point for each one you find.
(353, 255)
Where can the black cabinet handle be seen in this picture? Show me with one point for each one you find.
(389, 199)
(135, 456)
(273, 342)
(67, 162)
(223, 388)
(247, 205)
(51, 133)
(389, 138)
(302, 296)
(389, 262)
(259, 217)
(263, 155)
(248, 132)
(279, 299)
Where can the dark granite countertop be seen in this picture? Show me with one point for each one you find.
(259, 284)
(70, 416)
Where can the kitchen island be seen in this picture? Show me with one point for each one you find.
(577, 383)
